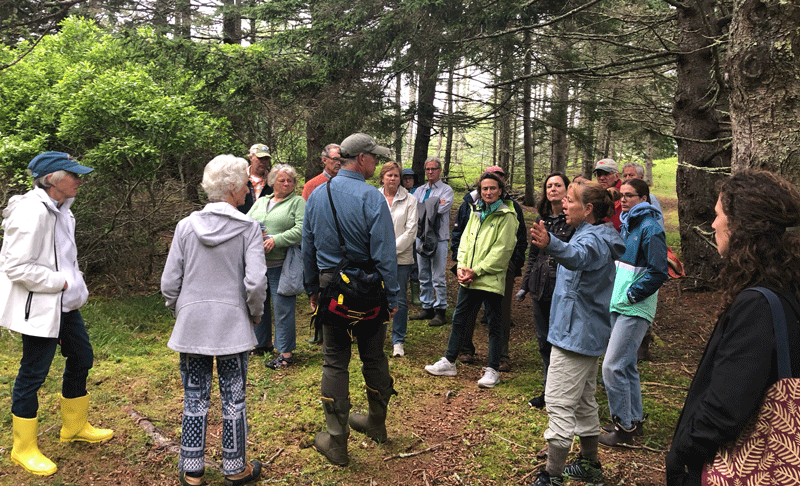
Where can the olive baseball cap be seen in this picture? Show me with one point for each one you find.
(361, 143)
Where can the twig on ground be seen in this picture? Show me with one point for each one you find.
(642, 447)
(510, 441)
(412, 454)
(655, 383)
(162, 441)
(274, 456)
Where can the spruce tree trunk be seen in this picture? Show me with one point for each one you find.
(701, 131)
(765, 77)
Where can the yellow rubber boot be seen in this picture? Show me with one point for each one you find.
(26, 451)
(74, 412)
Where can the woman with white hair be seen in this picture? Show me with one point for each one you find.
(214, 282)
(281, 218)
(41, 293)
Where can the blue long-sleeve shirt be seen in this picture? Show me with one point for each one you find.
(366, 227)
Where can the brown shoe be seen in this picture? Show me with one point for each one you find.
(505, 366)
(466, 358)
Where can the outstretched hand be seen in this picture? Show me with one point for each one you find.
(539, 235)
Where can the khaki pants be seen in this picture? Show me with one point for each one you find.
(569, 395)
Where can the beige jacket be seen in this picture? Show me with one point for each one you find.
(404, 218)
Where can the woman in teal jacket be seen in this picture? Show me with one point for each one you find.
(483, 255)
(579, 329)
(640, 273)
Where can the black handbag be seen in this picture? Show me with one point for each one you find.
(356, 295)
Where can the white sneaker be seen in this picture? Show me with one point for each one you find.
(491, 377)
(442, 368)
(398, 350)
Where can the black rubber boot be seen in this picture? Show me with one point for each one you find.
(374, 424)
(423, 314)
(317, 337)
(619, 437)
(333, 442)
(439, 318)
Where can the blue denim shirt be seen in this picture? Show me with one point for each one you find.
(579, 315)
(366, 227)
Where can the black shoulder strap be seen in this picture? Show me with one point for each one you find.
(781, 334)
(342, 245)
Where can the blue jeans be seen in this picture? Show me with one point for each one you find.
(469, 302)
(400, 321)
(620, 375)
(283, 308)
(432, 278)
(197, 375)
(37, 355)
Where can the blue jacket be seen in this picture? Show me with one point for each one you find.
(642, 269)
(366, 227)
(579, 315)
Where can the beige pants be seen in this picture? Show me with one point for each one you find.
(569, 395)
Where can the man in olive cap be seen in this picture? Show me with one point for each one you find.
(41, 290)
(260, 164)
(368, 232)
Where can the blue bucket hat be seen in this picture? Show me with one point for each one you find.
(49, 162)
(407, 172)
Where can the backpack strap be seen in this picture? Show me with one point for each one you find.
(342, 245)
(781, 334)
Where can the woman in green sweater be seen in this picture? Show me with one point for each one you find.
(281, 218)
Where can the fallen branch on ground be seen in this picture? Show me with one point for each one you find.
(160, 439)
(412, 454)
(655, 383)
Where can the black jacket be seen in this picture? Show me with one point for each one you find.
(540, 275)
(737, 367)
(249, 200)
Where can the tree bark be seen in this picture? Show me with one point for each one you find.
(701, 131)
(765, 95)
(527, 132)
(425, 110)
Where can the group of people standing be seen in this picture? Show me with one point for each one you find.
(597, 258)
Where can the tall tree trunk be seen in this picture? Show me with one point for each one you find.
(765, 92)
(314, 145)
(231, 23)
(183, 18)
(558, 124)
(701, 131)
(425, 109)
(398, 116)
(527, 131)
(448, 151)
(505, 111)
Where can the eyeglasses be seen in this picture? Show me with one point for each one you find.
(434, 169)
(629, 196)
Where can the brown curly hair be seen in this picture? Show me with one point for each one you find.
(760, 206)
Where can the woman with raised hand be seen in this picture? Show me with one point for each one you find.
(758, 236)
(215, 283)
(579, 329)
(281, 218)
(540, 276)
(403, 209)
(641, 271)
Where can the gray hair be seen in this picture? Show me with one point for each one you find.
(326, 151)
(45, 183)
(223, 174)
(434, 159)
(273, 174)
(638, 167)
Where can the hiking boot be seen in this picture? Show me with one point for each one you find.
(491, 377)
(582, 469)
(537, 402)
(619, 437)
(423, 314)
(466, 358)
(443, 367)
(638, 427)
(544, 479)
(505, 366)
(439, 318)
(398, 351)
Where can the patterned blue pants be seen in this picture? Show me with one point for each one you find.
(197, 374)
